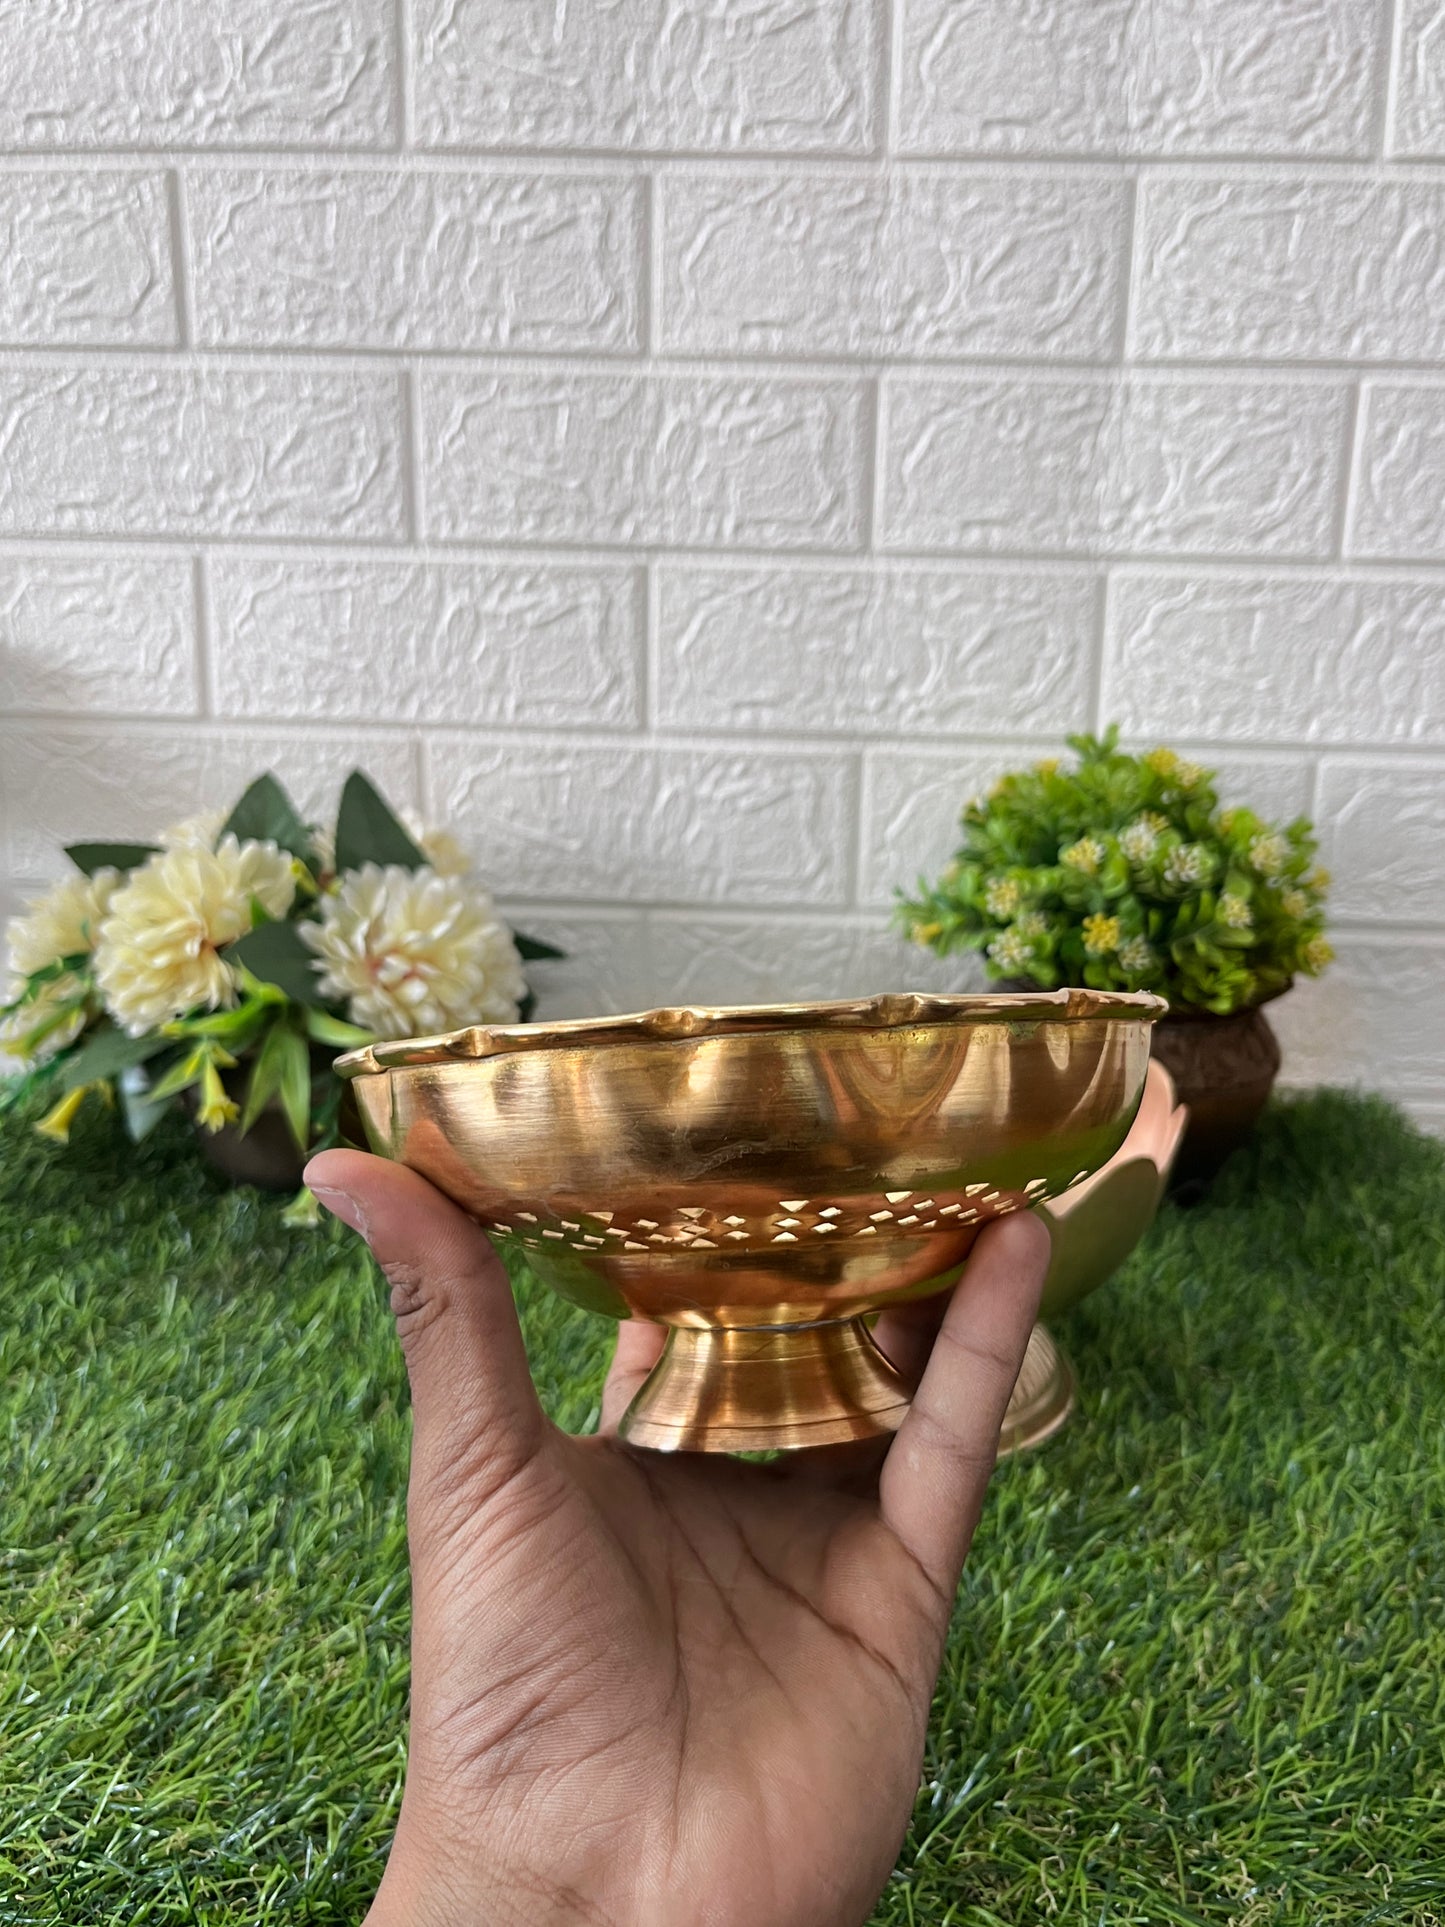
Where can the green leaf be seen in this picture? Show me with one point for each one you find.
(15, 1091)
(275, 953)
(26, 1043)
(326, 1029)
(105, 1052)
(265, 1075)
(50, 973)
(237, 1029)
(182, 1075)
(367, 830)
(531, 948)
(266, 814)
(295, 1092)
(91, 857)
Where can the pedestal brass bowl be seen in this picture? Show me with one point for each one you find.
(1093, 1227)
(760, 1180)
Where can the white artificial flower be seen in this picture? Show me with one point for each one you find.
(1033, 923)
(62, 1001)
(1139, 839)
(63, 923)
(1010, 951)
(159, 944)
(440, 848)
(1295, 904)
(1136, 956)
(1189, 863)
(323, 845)
(1269, 853)
(194, 832)
(1234, 911)
(1085, 855)
(414, 952)
(1001, 898)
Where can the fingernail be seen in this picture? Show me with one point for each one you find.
(342, 1205)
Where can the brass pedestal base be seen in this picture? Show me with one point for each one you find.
(1042, 1399)
(725, 1389)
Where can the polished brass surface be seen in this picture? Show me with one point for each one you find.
(723, 1388)
(1093, 1227)
(1043, 1398)
(760, 1170)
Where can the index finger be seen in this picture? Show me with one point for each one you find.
(931, 1489)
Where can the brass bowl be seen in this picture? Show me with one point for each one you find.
(760, 1180)
(1093, 1227)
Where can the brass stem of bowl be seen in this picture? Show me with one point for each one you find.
(746, 1389)
(1043, 1398)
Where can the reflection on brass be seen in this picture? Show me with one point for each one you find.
(762, 1179)
(1093, 1228)
(1042, 1399)
(730, 1389)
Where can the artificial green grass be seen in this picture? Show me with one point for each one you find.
(1197, 1671)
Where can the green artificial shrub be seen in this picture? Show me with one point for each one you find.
(1123, 873)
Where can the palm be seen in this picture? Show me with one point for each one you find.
(654, 1689)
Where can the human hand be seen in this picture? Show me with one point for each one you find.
(665, 1691)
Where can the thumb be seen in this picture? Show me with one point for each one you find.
(475, 1417)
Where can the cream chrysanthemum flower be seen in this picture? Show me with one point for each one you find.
(413, 952)
(63, 923)
(440, 848)
(1234, 911)
(54, 1017)
(158, 952)
(194, 832)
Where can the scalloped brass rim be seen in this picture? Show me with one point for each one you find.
(674, 1023)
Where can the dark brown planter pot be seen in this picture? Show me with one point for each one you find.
(1224, 1069)
(266, 1155)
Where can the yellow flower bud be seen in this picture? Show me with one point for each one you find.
(215, 1108)
(57, 1121)
(1101, 934)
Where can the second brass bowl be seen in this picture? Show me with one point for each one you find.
(1093, 1228)
(761, 1179)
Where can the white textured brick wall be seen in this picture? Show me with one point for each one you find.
(692, 446)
